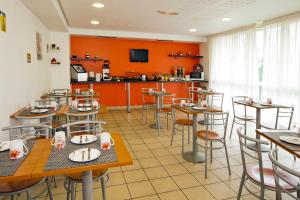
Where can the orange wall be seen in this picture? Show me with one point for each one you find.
(117, 51)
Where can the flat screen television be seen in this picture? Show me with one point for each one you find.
(138, 55)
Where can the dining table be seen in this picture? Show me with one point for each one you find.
(69, 95)
(35, 165)
(23, 114)
(258, 108)
(274, 137)
(158, 105)
(205, 93)
(194, 156)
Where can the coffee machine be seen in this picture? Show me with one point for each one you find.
(105, 70)
(197, 74)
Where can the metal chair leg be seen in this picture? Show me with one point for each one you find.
(206, 159)
(262, 192)
(146, 114)
(211, 152)
(182, 139)
(103, 189)
(68, 189)
(232, 127)
(241, 185)
(12, 197)
(227, 158)
(189, 135)
(173, 133)
(73, 191)
(28, 193)
(49, 188)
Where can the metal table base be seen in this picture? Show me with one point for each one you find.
(190, 157)
(87, 185)
(155, 126)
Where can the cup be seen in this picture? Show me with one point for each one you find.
(187, 77)
(74, 104)
(17, 149)
(150, 90)
(250, 100)
(143, 77)
(95, 105)
(59, 140)
(204, 103)
(77, 91)
(106, 141)
(54, 105)
(269, 100)
(163, 90)
(182, 102)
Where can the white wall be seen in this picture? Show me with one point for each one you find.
(204, 51)
(21, 82)
(60, 74)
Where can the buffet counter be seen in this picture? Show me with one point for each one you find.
(128, 92)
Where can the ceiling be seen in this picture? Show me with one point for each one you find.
(203, 15)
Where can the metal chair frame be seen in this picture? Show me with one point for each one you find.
(174, 102)
(211, 120)
(46, 180)
(145, 107)
(236, 118)
(96, 129)
(282, 113)
(280, 178)
(258, 157)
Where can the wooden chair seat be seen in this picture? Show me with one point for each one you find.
(245, 117)
(269, 180)
(55, 125)
(271, 126)
(78, 176)
(166, 110)
(15, 186)
(184, 122)
(211, 135)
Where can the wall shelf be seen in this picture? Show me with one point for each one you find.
(185, 56)
(85, 59)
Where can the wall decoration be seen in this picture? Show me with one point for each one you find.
(28, 57)
(2, 21)
(39, 49)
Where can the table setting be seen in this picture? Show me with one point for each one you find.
(80, 150)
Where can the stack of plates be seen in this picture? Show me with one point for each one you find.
(39, 111)
(84, 105)
(43, 106)
(84, 109)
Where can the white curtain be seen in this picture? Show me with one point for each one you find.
(233, 65)
(281, 68)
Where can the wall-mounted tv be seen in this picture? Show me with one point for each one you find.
(138, 55)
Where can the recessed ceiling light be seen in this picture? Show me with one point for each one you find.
(95, 22)
(193, 30)
(98, 5)
(226, 19)
(167, 12)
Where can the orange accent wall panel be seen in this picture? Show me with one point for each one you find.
(117, 51)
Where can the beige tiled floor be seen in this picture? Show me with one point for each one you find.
(160, 172)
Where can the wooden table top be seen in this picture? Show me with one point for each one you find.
(59, 112)
(260, 106)
(205, 92)
(158, 94)
(33, 165)
(273, 136)
(190, 111)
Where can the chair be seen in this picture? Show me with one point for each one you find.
(182, 122)
(165, 107)
(193, 91)
(210, 135)
(241, 117)
(13, 188)
(258, 174)
(282, 113)
(286, 179)
(86, 127)
(147, 103)
(216, 101)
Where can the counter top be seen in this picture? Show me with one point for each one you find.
(135, 81)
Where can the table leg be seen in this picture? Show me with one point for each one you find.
(157, 124)
(264, 148)
(194, 156)
(87, 185)
(128, 96)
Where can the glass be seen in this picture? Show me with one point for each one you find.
(59, 143)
